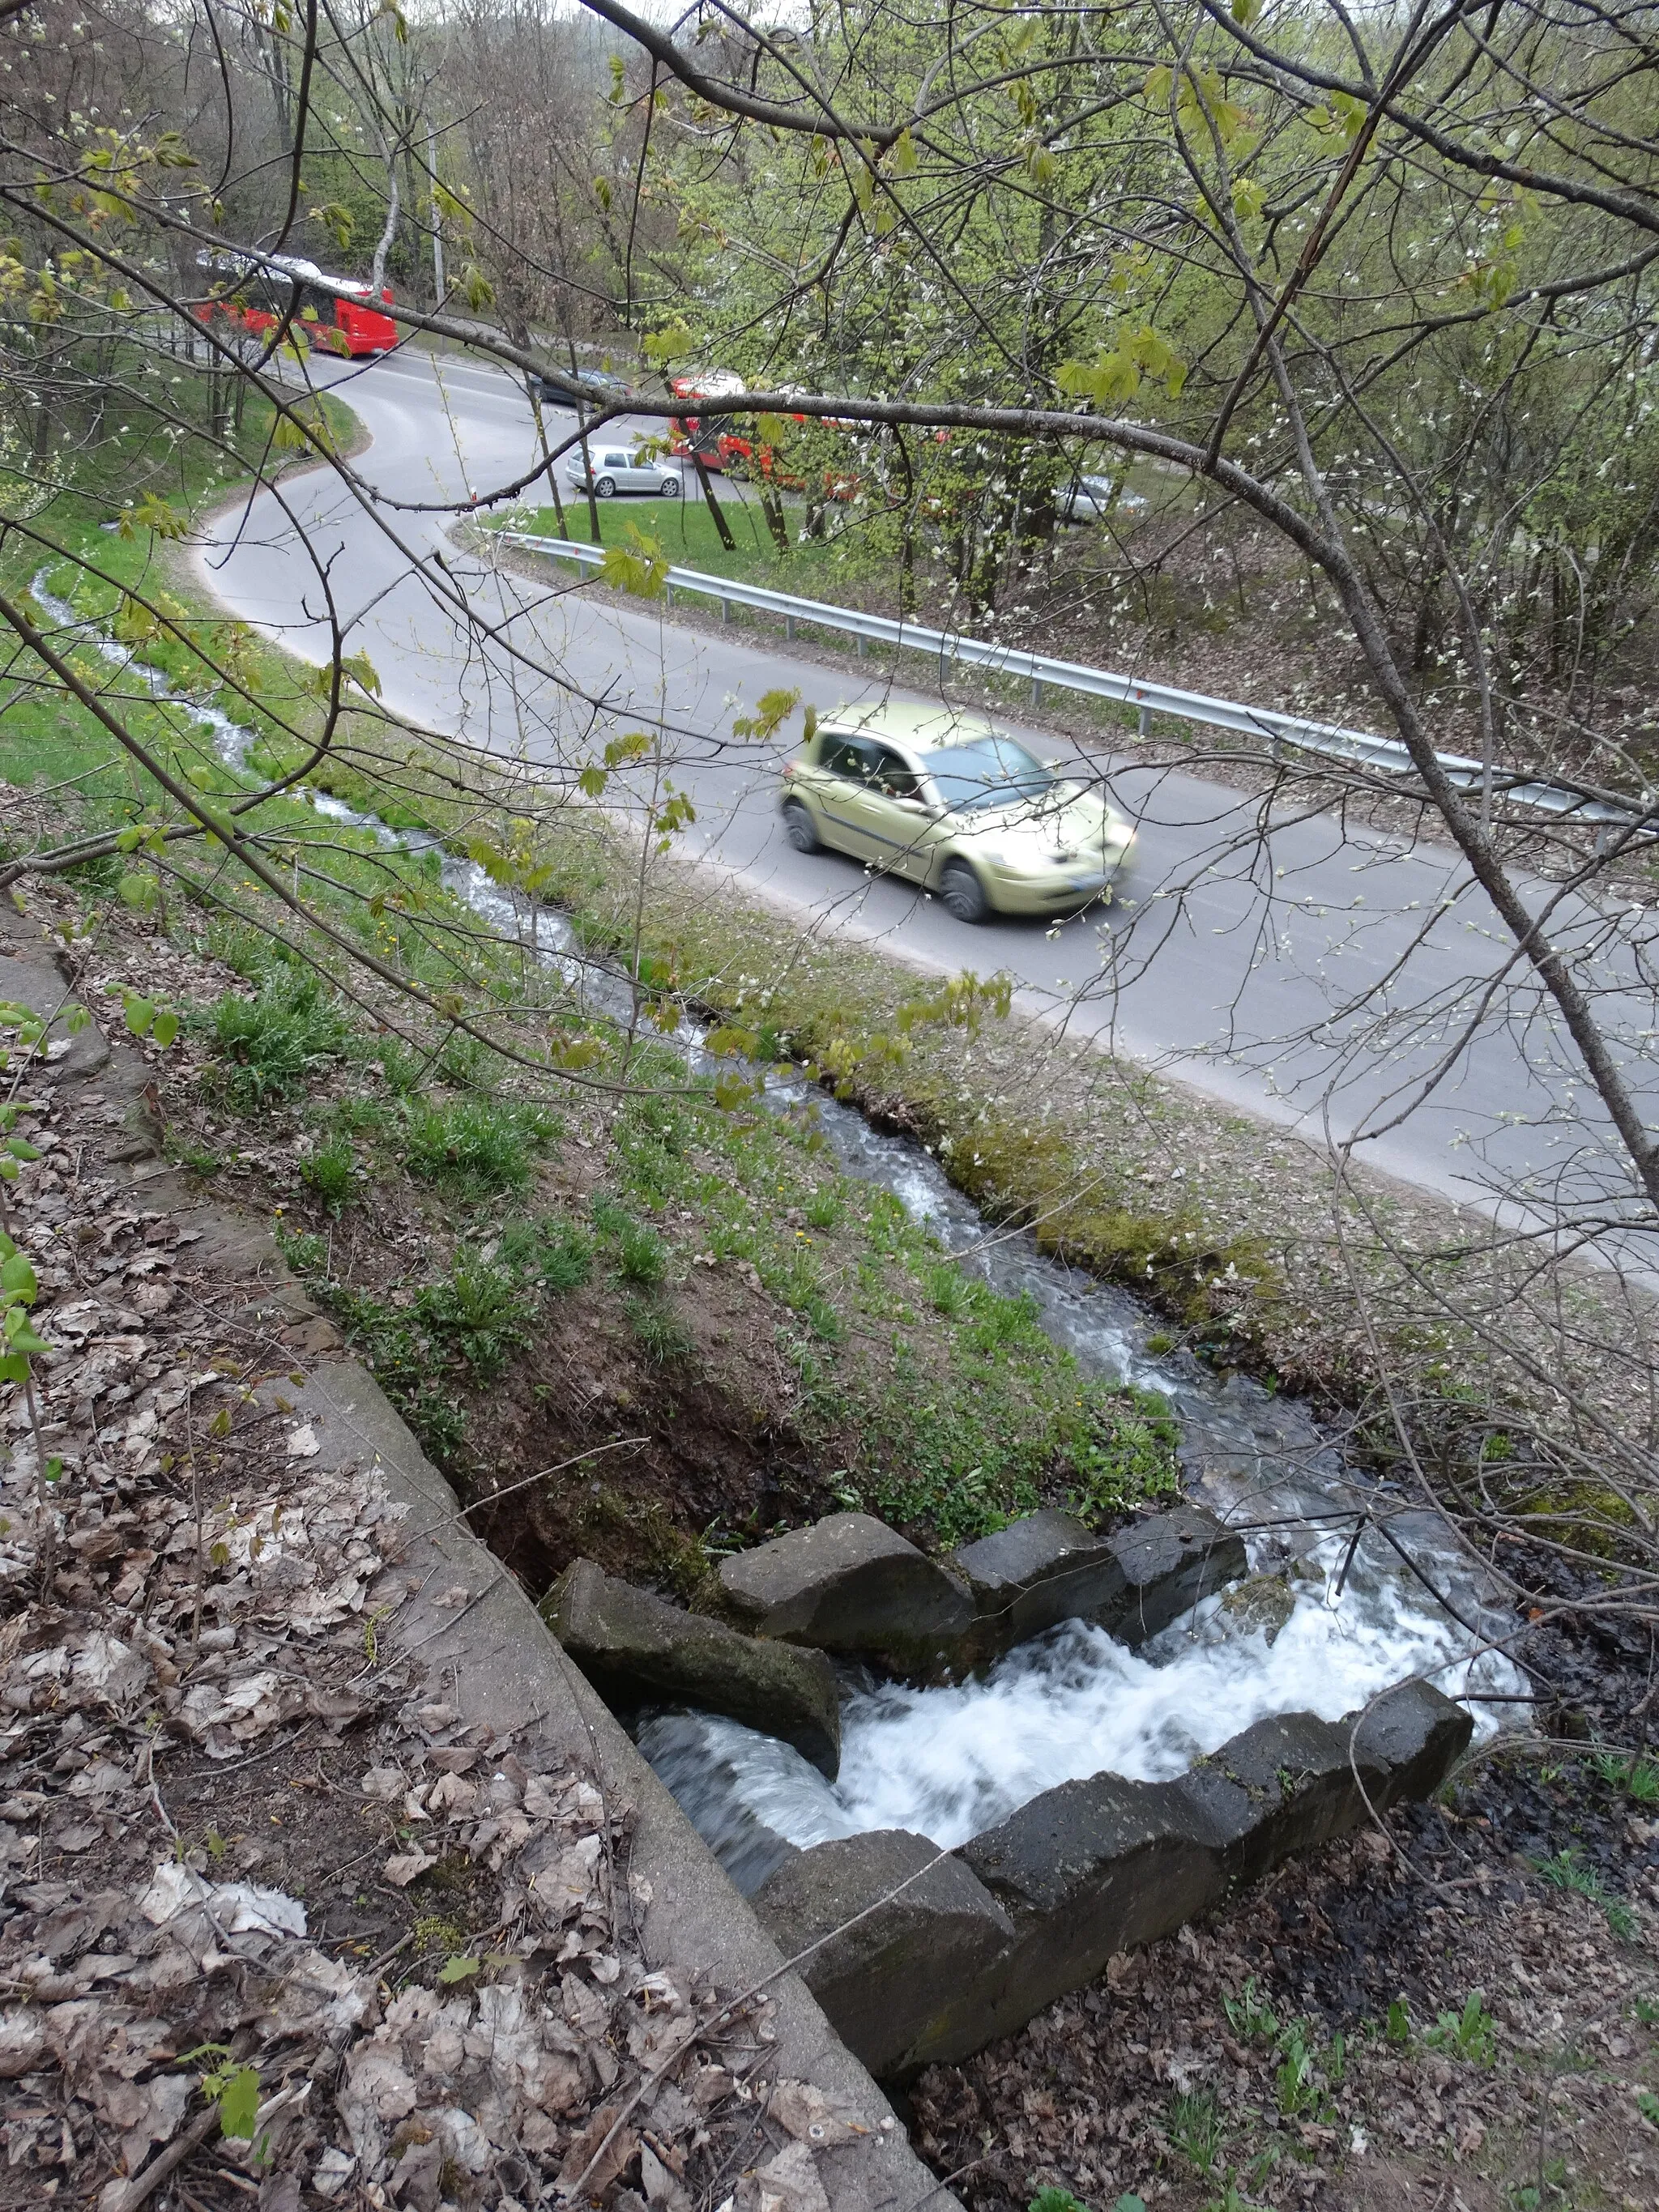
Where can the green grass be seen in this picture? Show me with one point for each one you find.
(1567, 1871)
(686, 532)
(269, 1046)
(473, 1147)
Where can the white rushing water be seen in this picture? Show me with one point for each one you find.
(950, 1761)
(1369, 1610)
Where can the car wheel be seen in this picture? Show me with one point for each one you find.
(963, 893)
(670, 486)
(606, 488)
(799, 828)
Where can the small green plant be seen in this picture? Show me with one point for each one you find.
(1061, 2200)
(641, 1255)
(307, 1255)
(822, 1209)
(1194, 2127)
(270, 1046)
(479, 1313)
(1566, 1871)
(556, 1256)
(474, 1147)
(662, 1337)
(1250, 2015)
(1302, 2089)
(1637, 1773)
(196, 1157)
(1469, 2034)
(329, 1170)
(1398, 2027)
(949, 1290)
(1126, 1453)
(1647, 2011)
(235, 2089)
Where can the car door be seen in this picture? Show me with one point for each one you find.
(897, 823)
(846, 766)
(616, 467)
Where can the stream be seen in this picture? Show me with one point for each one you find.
(1366, 1609)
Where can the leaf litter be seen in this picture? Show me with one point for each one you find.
(173, 2034)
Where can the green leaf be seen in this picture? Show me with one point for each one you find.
(1244, 13)
(139, 892)
(904, 154)
(639, 567)
(21, 1335)
(239, 2102)
(667, 344)
(20, 1149)
(592, 780)
(18, 1279)
(1249, 199)
(14, 1367)
(166, 1028)
(458, 1969)
(76, 1018)
(140, 1013)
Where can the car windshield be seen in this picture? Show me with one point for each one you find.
(990, 772)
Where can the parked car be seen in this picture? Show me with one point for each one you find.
(1091, 499)
(950, 802)
(616, 469)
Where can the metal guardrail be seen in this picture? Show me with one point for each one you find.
(1387, 754)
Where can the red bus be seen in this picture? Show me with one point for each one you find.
(283, 285)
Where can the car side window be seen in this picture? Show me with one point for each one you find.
(616, 461)
(847, 756)
(893, 776)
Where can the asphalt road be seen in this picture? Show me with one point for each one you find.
(1320, 976)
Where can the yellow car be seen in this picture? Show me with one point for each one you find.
(953, 803)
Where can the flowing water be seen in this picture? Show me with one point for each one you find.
(1378, 1593)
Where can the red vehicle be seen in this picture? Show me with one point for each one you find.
(283, 285)
(722, 444)
(711, 438)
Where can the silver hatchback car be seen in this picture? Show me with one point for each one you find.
(616, 470)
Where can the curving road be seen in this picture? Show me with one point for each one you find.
(1315, 974)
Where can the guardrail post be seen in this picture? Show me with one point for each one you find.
(863, 644)
(1037, 690)
(1146, 721)
(668, 594)
(789, 626)
(725, 611)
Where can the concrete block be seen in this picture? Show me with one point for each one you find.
(636, 1648)
(1034, 1574)
(1169, 1562)
(848, 1583)
(905, 1979)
